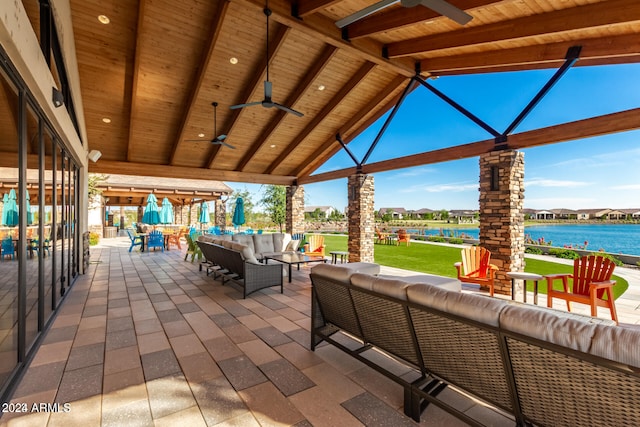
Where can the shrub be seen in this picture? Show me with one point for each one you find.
(456, 241)
(533, 250)
(615, 260)
(437, 239)
(94, 238)
(564, 253)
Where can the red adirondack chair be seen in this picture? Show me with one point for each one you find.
(591, 282)
(476, 267)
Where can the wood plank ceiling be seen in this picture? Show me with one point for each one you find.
(155, 69)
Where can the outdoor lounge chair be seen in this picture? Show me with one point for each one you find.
(316, 245)
(591, 282)
(192, 248)
(174, 239)
(155, 240)
(403, 236)
(135, 239)
(476, 267)
(383, 238)
(7, 248)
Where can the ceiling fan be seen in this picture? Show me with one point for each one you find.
(441, 6)
(218, 140)
(267, 102)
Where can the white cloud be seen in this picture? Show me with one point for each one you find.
(541, 182)
(626, 187)
(414, 172)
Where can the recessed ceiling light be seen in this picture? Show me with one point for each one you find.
(273, 146)
(104, 19)
(321, 87)
(201, 135)
(233, 60)
(106, 119)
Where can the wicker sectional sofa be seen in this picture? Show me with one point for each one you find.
(541, 366)
(238, 263)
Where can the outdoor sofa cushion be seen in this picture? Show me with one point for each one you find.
(343, 272)
(389, 287)
(429, 279)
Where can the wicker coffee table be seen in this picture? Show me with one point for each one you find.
(295, 259)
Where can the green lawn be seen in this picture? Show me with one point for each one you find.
(436, 259)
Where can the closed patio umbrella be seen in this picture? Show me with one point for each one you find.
(166, 212)
(29, 213)
(11, 210)
(5, 201)
(151, 214)
(204, 213)
(238, 213)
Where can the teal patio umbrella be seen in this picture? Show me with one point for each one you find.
(5, 201)
(166, 212)
(151, 214)
(10, 210)
(29, 213)
(238, 213)
(204, 213)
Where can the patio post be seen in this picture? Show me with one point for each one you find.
(501, 212)
(295, 209)
(221, 214)
(361, 226)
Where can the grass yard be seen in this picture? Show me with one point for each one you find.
(436, 259)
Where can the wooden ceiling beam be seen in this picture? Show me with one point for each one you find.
(571, 19)
(168, 171)
(216, 24)
(324, 29)
(397, 18)
(622, 121)
(252, 85)
(304, 8)
(545, 56)
(322, 114)
(320, 156)
(301, 88)
(134, 78)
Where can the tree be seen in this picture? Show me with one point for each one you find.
(274, 201)
(93, 182)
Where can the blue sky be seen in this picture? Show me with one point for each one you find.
(597, 172)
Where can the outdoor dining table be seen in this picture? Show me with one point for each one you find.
(143, 237)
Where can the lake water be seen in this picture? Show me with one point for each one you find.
(612, 238)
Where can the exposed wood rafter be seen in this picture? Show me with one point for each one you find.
(307, 7)
(256, 83)
(202, 71)
(339, 96)
(301, 88)
(331, 146)
(135, 77)
(592, 15)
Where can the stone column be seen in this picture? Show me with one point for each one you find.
(221, 214)
(295, 209)
(140, 213)
(361, 226)
(193, 213)
(501, 212)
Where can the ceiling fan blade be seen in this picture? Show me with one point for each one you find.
(221, 137)
(287, 109)
(364, 12)
(226, 145)
(249, 104)
(445, 8)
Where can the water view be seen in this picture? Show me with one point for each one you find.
(613, 238)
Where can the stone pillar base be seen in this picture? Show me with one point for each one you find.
(501, 212)
(361, 227)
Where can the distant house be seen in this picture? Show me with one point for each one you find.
(593, 213)
(396, 213)
(325, 211)
(633, 213)
(544, 214)
(564, 214)
(420, 213)
(463, 215)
